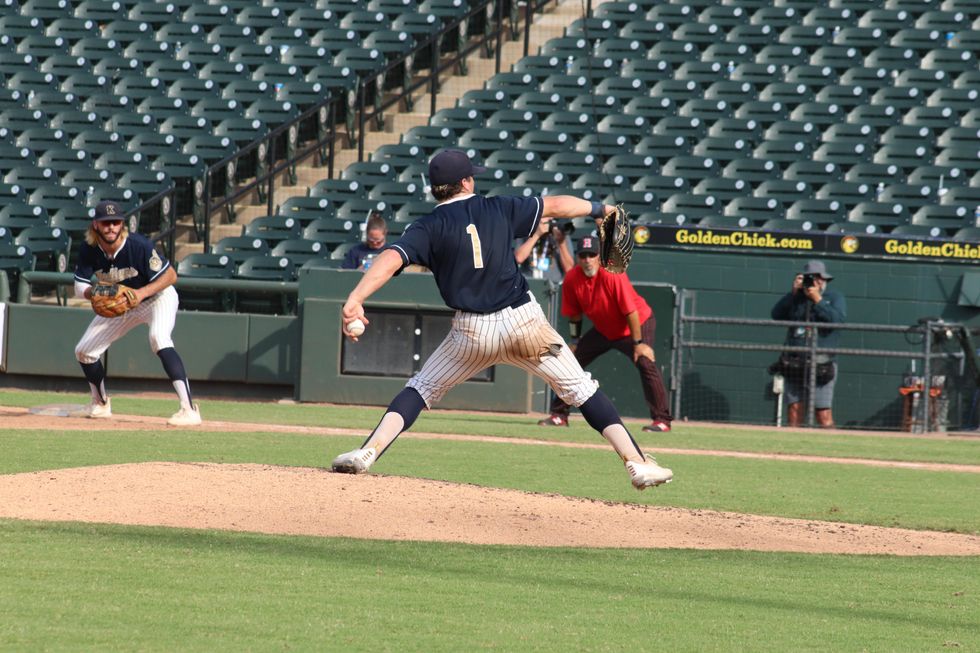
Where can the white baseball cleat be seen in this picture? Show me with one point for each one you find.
(648, 474)
(100, 411)
(186, 417)
(357, 461)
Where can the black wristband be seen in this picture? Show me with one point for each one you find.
(638, 342)
(598, 210)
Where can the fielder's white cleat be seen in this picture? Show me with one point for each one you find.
(186, 417)
(100, 411)
(357, 461)
(648, 474)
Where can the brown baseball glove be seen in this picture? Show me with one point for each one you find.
(112, 300)
(615, 240)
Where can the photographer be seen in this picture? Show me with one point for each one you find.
(537, 255)
(810, 300)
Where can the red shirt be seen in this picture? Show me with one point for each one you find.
(606, 299)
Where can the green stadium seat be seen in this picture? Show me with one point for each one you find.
(965, 157)
(19, 215)
(220, 72)
(944, 216)
(649, 71)
(785, 191)
(430, 139)
(905, 155)
(786, 93)
(49, 246)
(782, 54)
(338, 190)
(652, 109)
(723, 189)
(369, 173)
(206, 266)
(755, 37)
(754, 209)
(635, 201)
(842, 153)
(820, 213)
(64, 159)
(722, 149)
(273, 228)
(301, 250)
(513, 161)
(397, 192)
(763, 112)
(664, 146)
(673, 52)
(818, 113)
(672, 15)
(545, 142)
(15, 260)
(265, 268)
(734, 93)
(138, 86)
(145, 183)
(752, 171)
(693, 206)
(63, 66)
(881, 214)
(912, 196)
(312, 19)
(597, 27)
(662, 185)
(571, 163)
(238, 248)
(645, 31)
(411, 211)
(776, 17)
(12, 155)
(631, 166)
(29, 177)
(783, 151)
(967, 234)
(73, 122)
(705, 110)
(333, 231)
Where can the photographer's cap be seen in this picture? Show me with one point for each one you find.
(108, 210)
(449, 166)
(818, 268)
(588, 245)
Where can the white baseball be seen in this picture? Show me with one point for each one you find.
(355, 328)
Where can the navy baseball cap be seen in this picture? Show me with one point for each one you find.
(108, 210)
(449, 166)
(588, 245)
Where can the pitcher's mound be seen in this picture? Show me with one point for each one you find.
(303, 501)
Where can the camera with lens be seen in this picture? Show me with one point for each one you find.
(564, 227)
(809, 280)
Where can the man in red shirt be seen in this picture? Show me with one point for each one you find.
(621, 320)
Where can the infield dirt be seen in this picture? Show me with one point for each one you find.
(312, 501)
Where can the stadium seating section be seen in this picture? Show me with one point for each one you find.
(857, 116)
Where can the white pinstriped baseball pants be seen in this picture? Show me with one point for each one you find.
(158, 312)
(512, 336)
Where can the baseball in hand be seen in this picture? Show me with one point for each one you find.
(355, 328)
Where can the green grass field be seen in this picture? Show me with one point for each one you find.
(68, 586)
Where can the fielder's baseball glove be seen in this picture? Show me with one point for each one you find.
(112, 300)
(615, 240)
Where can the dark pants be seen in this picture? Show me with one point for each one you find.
(593, 344)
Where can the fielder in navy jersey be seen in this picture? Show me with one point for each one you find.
(468, 244)
(115, 256)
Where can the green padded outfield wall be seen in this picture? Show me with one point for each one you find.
(214, 346)
(734, 386)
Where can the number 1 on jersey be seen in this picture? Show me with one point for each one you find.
(475, 240)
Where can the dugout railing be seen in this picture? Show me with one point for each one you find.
(721, 373)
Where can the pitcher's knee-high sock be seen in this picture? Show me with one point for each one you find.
(401, 414)
(95, 375)
(601, 415)
(174, 367)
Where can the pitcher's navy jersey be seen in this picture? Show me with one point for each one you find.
(468, 244)
(136, 263)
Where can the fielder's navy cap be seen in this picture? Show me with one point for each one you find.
(108, 210)
(449, 166)
(588, 245)
(818, 268)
